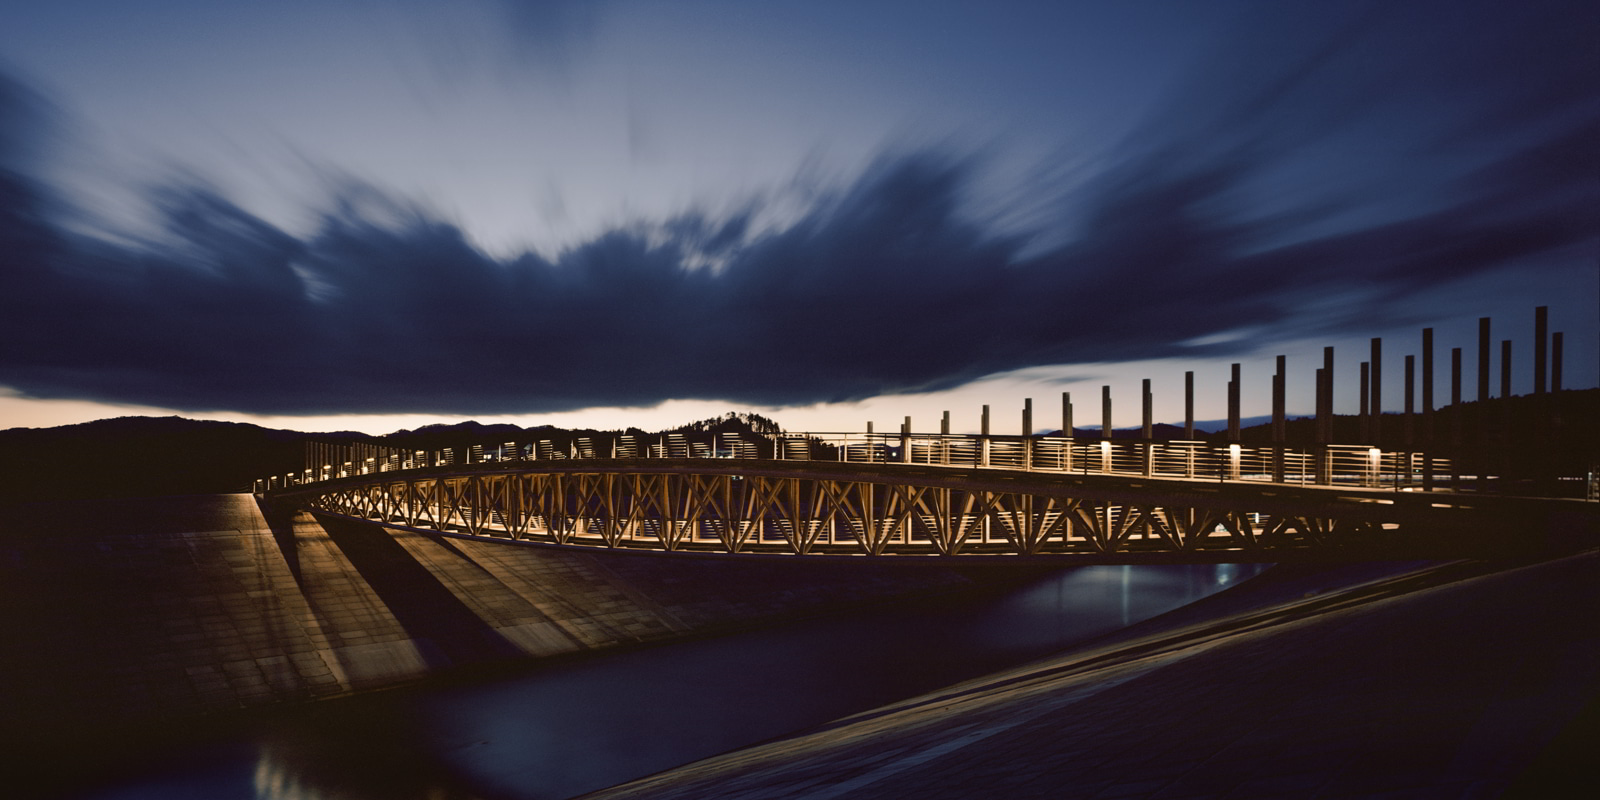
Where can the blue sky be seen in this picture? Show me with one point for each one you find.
(372, 215)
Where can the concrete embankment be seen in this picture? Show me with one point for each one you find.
(1465, 679)
(121, 616)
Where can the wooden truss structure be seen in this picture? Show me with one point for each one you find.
(696, 505)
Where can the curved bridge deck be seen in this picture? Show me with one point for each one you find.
(756, 507)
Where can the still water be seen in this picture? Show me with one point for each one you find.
(597, 721)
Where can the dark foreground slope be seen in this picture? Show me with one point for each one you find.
(1455, 680)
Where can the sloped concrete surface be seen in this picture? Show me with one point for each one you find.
(130, 611)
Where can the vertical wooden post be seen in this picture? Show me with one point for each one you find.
(1188, 405)
(1427, 409)
(944, 425)
(1483, 359)
(1323, 468)
(1366, 404)
(1149, 430)
(1408, 429)
(1278, 421)
(1066, 430)
(1233, 405)
(1377, 391)
(1149, 412)
(1105, 429)
(1455, 417)
(1279, 409)
(1327, 394)
(1105, 412)
(1027, 433)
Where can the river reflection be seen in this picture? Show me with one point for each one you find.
(597, 721)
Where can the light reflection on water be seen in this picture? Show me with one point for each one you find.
(591, 723)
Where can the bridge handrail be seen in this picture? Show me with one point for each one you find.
(1320, 465)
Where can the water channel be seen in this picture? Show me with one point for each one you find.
(588, 723)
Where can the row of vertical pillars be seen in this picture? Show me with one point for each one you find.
(1547, 353)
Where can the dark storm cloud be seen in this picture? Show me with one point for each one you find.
(1254, 191)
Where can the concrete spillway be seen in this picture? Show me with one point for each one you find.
(122, 613)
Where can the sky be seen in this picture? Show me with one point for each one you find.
(371, 215)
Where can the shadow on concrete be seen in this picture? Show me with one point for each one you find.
(280, 519)
(446, 631)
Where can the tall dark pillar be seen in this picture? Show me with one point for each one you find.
(1233, 406)
(1105, 412)
(1483, 359)
(1278, 402)
(1411, 381)
(1377, 391)
(1149, 412)
(1366, 404)
(944, 424)
(1327, 395)
(1188, 405)
(1324, 407)
(1066, 430)
(1027, 417)
(1455, 417)
(1149, 430)
(1541, 336)
(1320, 446)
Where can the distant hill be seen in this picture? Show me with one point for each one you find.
(150, 456)
(140, 456)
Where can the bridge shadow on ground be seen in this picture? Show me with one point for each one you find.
(280, 520)
(446, 631)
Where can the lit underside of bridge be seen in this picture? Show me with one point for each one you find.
(1145, 503)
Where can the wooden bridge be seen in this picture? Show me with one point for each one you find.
(1026, 497)
(945, 496)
